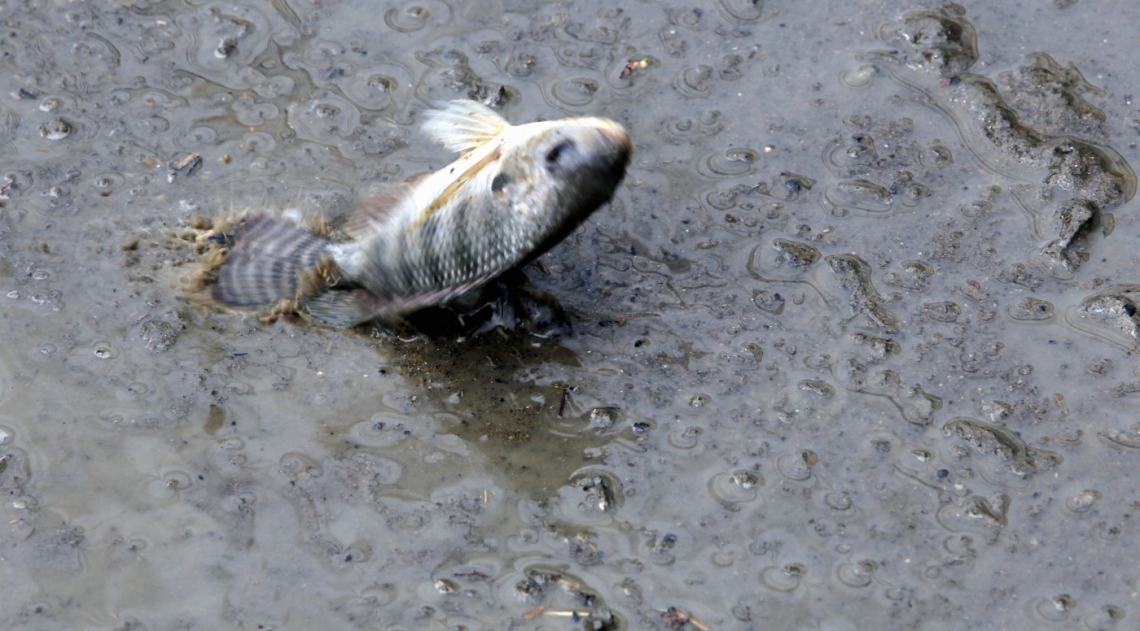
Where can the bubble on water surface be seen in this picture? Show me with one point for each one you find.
(732, 162)
(694, 82)
(685, 439)
(860, 77)
(326, 118)
(228, 39)
(738, 487)
(382, 430)
(105, 350)
(741, 11)
(1030, 309)
(166, 488)
(797, 466)
(1084, 501)
(1106, 618)
(299, 467)
(1053, 610)
(783, 578)
(573, 94)
(604, 418)
(379, 86)
(417, 15)
(851, 196)
(857, 574)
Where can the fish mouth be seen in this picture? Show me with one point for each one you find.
(617, 135)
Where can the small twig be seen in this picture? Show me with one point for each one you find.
(568, 613)
(565, 396)
(632, 66)
(7, 187)
(677, 618)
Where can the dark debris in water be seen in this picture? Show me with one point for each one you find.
(507, 304)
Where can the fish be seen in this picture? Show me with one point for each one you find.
(514, 192)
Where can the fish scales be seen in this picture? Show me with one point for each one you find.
(513, 193)
(462, 243)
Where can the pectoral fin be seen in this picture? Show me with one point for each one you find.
(343, 307)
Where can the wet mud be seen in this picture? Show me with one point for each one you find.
(853, 346)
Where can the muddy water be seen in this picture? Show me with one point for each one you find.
(854, 346)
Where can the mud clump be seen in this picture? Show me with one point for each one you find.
(942, 44)
(1003, 444)
(159, 335)
(1051, 97)
(1111, 314)
(1073, 219)
(853, 275)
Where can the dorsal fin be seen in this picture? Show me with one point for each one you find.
(463, 125)
(374, 211)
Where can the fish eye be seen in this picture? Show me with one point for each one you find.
(557, 151)
(500, 182)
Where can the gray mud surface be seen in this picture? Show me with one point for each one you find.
(854, 347)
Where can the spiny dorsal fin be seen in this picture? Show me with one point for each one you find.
(463, 125)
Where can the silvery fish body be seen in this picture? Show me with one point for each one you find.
(514, 192)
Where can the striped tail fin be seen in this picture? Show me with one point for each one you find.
(263, 266)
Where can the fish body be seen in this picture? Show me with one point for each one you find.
(514, 192)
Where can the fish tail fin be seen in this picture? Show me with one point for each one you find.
(266, 262)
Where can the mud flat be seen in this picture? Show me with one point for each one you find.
(853, 346)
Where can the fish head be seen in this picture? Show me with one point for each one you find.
(557, 173)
